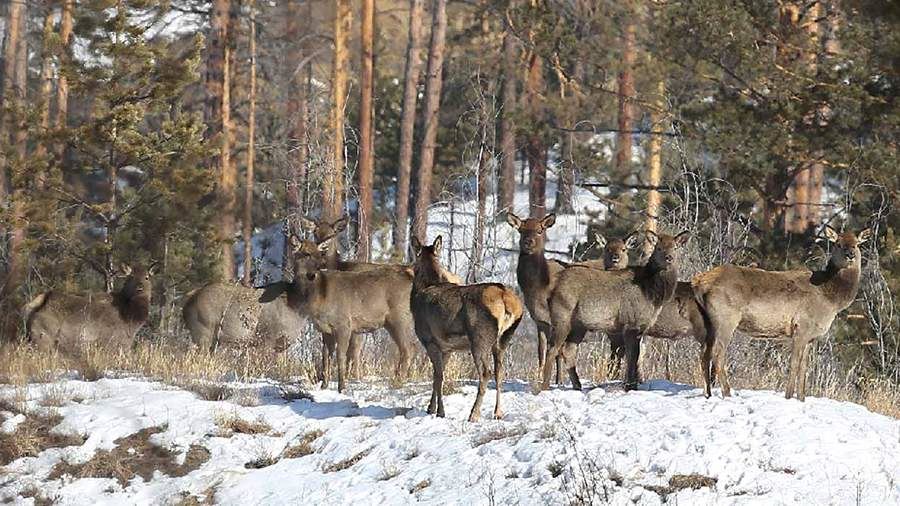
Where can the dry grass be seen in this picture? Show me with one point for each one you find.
(189, 499)
(133, 455)
(346, 463)
(32, 436)
(680, 482)
(499, 433)
(37, 495)
(303, 447)
(231, 423)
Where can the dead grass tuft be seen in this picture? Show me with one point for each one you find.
(303, 447)
(189, 499)
(134, 455)
(346, 463)
(680, 482)
(294, 392)
(231, 424)
(418, 487)
(37, 495)
(33, 436)
(262, 461)
(499, 433)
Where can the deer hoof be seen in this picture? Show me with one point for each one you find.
(631, 385)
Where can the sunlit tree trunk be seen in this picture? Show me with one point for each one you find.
(366, 137)
(507, 129)
(46, 92)
(333, 184)
(625, 95)
(535, 149)
(251, 155)
(430, 116)
(654, 163)
(408, 125)
(62, 83)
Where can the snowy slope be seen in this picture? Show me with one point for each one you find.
(377, 446)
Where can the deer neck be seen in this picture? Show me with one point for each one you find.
(839, 285)
(426, 274)
(533, 269)
(658, 285)
(133, 309)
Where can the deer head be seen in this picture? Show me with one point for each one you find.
(846, 246)
(532, 232)
(615, 252)
(665, 249)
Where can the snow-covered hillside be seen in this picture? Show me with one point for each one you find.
(666, 443)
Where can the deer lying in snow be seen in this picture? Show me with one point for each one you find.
(796, 305)
(56, 319)
(341, 304)
(481, 318)
(619, 302)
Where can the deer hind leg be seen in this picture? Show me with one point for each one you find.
(329, 345)
(481, 356)
(706, 367)
(559, 334)
(354, 356)
(570, 356)
(721, 332)
(797, 374)
(435, 405)
(498, 380)
(616, 353)
(632, 342)
(343, 345)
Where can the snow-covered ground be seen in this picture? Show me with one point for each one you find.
(377, 446)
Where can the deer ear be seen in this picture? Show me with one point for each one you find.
(436, 245)
(125, 269)
(154, 266)
(513, 220)
(273, 291)
(324, 245)
(548, 221)
(682, 238)
(651, 236)
(864, 236)
(599, 240)
(416, 245)
(340, 224)
(831, 234)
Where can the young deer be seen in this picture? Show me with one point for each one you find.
(796, 305)
(621, 302)
(56, 319)
(536, 275)
(481, 318)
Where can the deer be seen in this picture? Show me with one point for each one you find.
(481, 318)
(55, 319)
(341, 304)
(227, 315)
(798, 306)
(623, 303)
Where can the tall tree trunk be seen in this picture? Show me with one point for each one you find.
(298, 111)
(14, 15)
(565, 183)
(408, 124)
(218, 118)
(431, 116)
(481, 181)
(654, 163)
(535, 149)
(62, 83)
(333, 185)
(42, 147)
(626, 95)
(366, 136)
(507, 130)
(251, 155)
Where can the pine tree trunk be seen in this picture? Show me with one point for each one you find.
(14, 15)
(654, 165)
(298, 112)
(62, 83)
(218, 119)
(535, 150)
(42, 147)
(625, 95)
(333, 185)
(481, 181)
(431, 116)
(507, 130)
(251, 155)
(408, 125)
(366, 137)
(565, 184)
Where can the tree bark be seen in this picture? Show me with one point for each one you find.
(507, 130)
(62, 83)
(408, 124)
(431, 116)
(535, 149)
(218, 119)
(366, 137)
(654, 165)
(333, 185)
(251, 155)
(625, 96)
(565, 182)
(298, 111)
(14, 16)
(481, 181)
(42, 147)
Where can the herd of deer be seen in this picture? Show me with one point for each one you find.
(344, 299)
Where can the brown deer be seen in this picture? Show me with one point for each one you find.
(481, 318)
(536, 275)
(799, 306)
(341, 304)
(226, 315)
(61, 320)
(620, 302)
